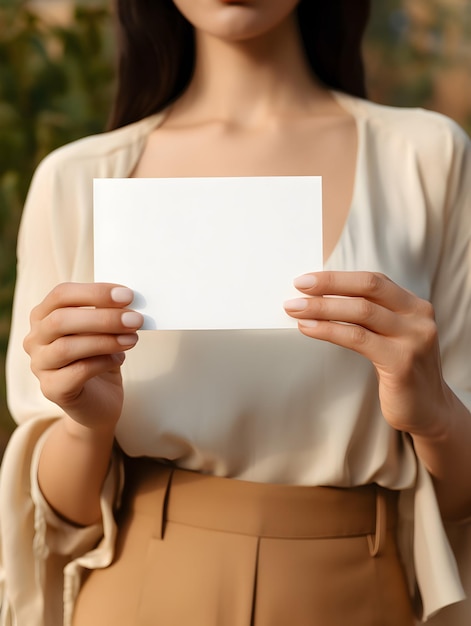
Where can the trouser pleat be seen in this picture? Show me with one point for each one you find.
(181, 569)
(199, 551)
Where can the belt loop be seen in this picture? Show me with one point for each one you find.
(376, 543)
(162, 489)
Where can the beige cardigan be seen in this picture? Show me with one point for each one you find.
(410, 218)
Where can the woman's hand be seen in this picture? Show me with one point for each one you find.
(77, 340)
(391, 327)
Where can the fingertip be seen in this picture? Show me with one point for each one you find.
(127, 341)
(305, 281)
(308, 327)
(295, 305)
(122, 295)
(308, 323)
(118, 358)
(132, 319)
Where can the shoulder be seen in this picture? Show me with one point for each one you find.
(108, 154)
(413, 148)
(428, 133)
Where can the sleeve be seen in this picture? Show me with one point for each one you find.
(50, 251)
(451, 298)
(41, 555)
(451, 290)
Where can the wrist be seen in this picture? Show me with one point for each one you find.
(99, 434)
(437, 417)
(72, 467)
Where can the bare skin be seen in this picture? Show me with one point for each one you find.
(396, 331)
(76, 354)
(252, 108)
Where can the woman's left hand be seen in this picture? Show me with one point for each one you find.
(391, 327)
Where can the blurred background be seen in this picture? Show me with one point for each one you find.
(56, 82)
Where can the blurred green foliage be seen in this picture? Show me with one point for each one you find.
(55, 86)
(389, 52)
(418, 53)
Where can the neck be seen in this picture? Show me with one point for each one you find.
(248, 82)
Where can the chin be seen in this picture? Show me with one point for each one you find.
(236, 20)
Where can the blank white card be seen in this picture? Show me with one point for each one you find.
(208, 253)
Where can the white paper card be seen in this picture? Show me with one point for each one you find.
(208, 253)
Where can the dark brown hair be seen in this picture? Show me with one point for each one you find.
(156, 51)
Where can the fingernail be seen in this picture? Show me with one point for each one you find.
(306, 281)
(309, 323)
(132, 319)
(122, 295)
(118, 358)
(298, 304)
(127, 340)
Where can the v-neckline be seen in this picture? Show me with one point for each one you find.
(348, 103)
(345, 101)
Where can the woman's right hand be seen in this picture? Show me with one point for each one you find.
(77, 340)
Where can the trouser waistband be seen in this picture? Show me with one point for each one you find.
(266, 510)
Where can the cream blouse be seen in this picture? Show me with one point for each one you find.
(269, 406)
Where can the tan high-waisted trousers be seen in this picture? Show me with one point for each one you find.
(195, 550)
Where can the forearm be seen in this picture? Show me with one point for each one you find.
(447, 457)
(73, 465)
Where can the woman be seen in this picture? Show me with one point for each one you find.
(324, 427)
